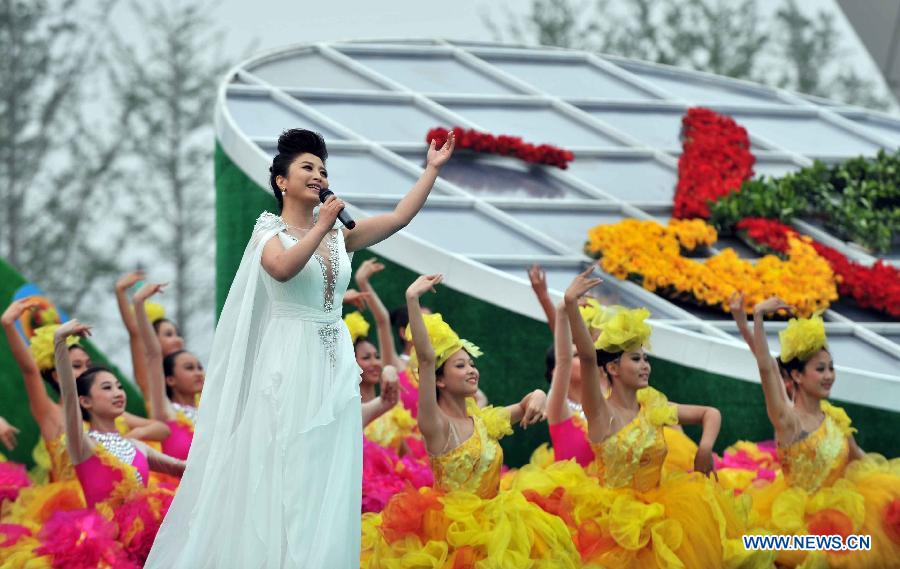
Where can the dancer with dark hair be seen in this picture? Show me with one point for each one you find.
(37, 366)
(174, 381)
(827, 484)
(108, 465)
(274, 475)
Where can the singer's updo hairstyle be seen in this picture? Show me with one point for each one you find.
(291, 144)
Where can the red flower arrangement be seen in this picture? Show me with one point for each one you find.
(876, 287)
(715, 160)
(504, 145)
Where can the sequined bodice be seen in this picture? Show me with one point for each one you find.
(474, 466)
(189, 411)
(61, 468)
(819, 459)
(634, 456)
(119, 447)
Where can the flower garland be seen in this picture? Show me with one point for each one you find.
(714, 162)
(651, 254)
(503, 145)
(876, 287)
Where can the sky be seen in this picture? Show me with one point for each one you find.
(269, 24)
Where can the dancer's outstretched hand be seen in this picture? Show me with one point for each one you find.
(437, 157)
(736, 304)
(149, 290)
(703, 462)
(356, 298)
(581, 284)
(8, 434)
(423, 284)
(71, 328)
(538, 278)
(535, 408)
(772, 304)
(128, 280)
(15, 310)
(368, 268)
(390, 386)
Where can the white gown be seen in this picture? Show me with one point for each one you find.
(274, 475)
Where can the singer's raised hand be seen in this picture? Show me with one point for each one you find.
(437, 157)
(329, 211)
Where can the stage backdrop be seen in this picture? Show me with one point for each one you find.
(515, 345)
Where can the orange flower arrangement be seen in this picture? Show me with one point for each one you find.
(651, 254)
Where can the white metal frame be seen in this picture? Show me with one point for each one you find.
(474, 274)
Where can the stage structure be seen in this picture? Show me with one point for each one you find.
(490, 217)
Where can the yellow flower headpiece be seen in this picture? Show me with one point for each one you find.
(357, 325)
(444, 340)
(624, 330)
(593, 313)
(802, 338)
(154, 311)
(49, 316)
(42, 346)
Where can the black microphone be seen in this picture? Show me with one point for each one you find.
(345, 218)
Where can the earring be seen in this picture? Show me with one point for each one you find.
(283, 191)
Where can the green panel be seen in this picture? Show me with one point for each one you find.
(239, 201)
(13, 400)
(515, 345)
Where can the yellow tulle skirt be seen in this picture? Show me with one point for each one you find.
(864, 501)
(429, 529)
(687, 521)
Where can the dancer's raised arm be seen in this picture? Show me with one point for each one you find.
(138, 359)
(538, 279)
(382, 318)
(160, 407)
(432, 422)
(557, 407)
(43, 409)
(77, 442)
(375, 229)
(595, 408)
(778, 405)
(738, 312)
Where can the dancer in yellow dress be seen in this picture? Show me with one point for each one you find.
(465, 519)
(632, 514)
(829, 486)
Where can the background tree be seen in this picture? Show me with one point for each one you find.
(171, 78)
(719, 36)
(57, 161)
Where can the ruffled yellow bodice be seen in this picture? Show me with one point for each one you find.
(634, 456)
(474, 466)
(392, 428)
(819, 460)
(61, 468)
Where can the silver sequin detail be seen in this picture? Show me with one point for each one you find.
(189, 411)
(118, 446)
(329, 336)
(334, 265)
(576, 408)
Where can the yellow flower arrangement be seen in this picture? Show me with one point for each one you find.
(648, 252)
